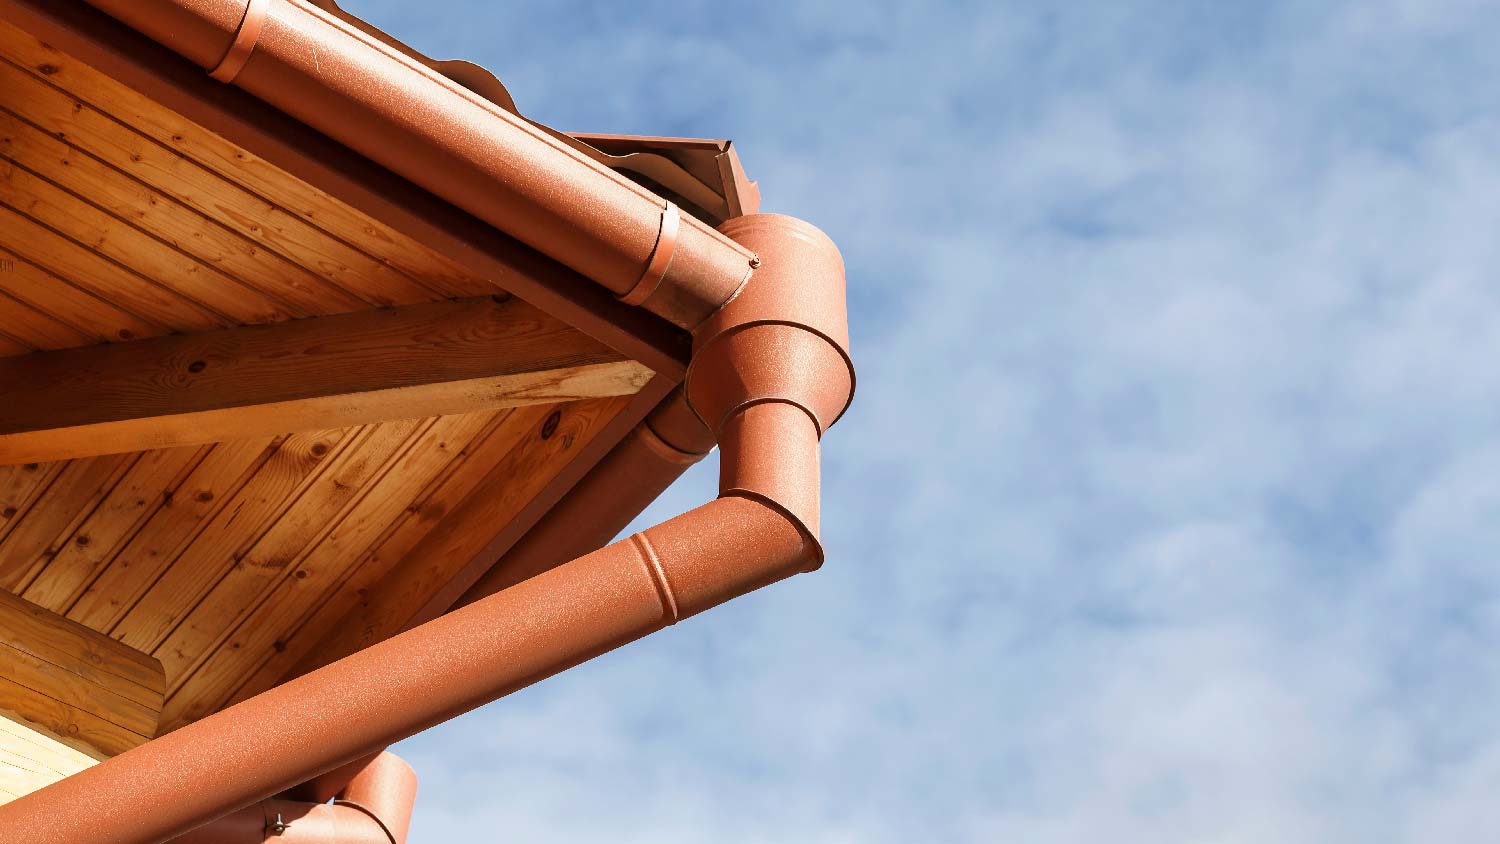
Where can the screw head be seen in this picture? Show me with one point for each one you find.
(754, 262)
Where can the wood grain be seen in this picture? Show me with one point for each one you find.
(95, 131)
(213, 152)
(179, 519)
(418, 361)
(278, 597)
(127, 198)
(399, 592)
(127, 246)
(151, 480)
(76, 682)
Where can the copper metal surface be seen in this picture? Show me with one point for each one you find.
(479, 156)
(244, 42)
(385, 789)
(710, 162)
(769, 451)
(326, 786)
(661, 258)
(373, 806)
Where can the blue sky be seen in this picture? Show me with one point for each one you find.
(1167, 508)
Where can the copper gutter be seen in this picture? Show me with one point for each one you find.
(771, 372)
(401, 114)
(372, 803)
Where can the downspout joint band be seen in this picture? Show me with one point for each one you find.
(661, 258)
(243, 45)
(658, 573)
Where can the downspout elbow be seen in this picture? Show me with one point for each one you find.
(771, 369)
(771, 372)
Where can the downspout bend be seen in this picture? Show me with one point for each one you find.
(771, 369)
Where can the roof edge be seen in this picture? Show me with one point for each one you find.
(109, 46)
(400, 113)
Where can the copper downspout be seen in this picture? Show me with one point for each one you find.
(458, 145)
(771, 371)
(372, 805)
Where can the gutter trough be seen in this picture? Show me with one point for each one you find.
(449, 140)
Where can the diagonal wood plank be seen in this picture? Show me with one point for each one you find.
(418, 361)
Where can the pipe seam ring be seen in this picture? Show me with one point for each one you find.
(781, 509)
(661, 258)
(658, 575)
(664, 449)
(245, 38)
(699, 352)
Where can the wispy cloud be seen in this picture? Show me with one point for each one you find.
(1166, 511)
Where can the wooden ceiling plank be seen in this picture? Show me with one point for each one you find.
(320, 509)
(36, 329)
(148, 484)
(466, 471)
(157, 213)
(180, 519)
(20, 486)
(83, 310)
(259, 630)
(60, 256)
(79, 487)
(164, 265)
(467, 530)
(243, 518)
(93, 130)
(435, 359)
(11, 347)
(257, 175)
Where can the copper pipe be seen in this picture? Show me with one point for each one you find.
(372, 805)
(465, 149)
(763, 528)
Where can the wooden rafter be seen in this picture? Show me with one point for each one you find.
(317, 373)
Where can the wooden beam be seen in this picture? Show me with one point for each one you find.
(324, 372)
(72, 684)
